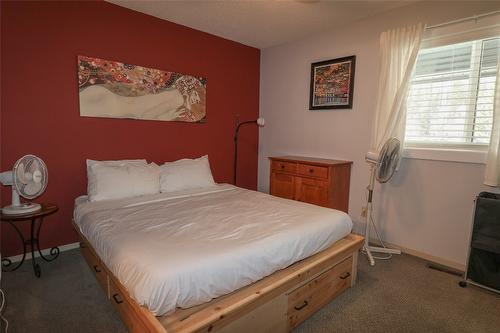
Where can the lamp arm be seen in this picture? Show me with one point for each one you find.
(235, 162)
(239, 125)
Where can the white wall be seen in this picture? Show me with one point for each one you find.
(427, 206)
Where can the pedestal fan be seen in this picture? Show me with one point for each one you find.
(382, 167)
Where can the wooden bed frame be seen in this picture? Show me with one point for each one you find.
(276, 303)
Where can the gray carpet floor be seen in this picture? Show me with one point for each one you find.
(401, 295)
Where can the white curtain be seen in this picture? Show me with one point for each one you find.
(492, 173)
(399, 49)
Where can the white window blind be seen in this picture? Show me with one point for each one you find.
(451, 96)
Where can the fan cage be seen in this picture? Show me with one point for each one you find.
(28, 162)
(388, 160)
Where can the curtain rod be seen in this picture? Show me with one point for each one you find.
(475, 17)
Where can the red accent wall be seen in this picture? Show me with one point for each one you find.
(39, 104)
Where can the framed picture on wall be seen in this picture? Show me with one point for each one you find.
(332, 84)
(112, 89)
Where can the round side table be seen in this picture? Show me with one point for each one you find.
(36, 219)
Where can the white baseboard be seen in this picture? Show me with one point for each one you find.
(62, 248)
(423, 255)
(429, 257)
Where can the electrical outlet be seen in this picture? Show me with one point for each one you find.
(363, 211)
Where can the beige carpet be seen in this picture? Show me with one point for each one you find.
(401, 295)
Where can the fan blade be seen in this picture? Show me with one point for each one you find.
(34, 165)
(20, 174)
(32, 188)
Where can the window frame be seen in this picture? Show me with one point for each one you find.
(448, 154)
(455, 152)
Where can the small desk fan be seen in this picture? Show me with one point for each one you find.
(28, 179)
(382, 167)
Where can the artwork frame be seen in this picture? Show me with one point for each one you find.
(120, 90)
(338, 84)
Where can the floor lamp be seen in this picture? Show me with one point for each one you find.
(260, 122)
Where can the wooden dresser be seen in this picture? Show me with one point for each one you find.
(318, 181)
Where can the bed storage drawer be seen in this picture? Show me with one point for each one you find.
(308, 298)
(122, 304)
(96, 267)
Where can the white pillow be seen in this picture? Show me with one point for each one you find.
(117, 162)
(108, 181)
(186, 174)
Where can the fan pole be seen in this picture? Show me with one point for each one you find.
(371, 185)
(369, 208)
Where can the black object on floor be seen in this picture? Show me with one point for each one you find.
(483, 266)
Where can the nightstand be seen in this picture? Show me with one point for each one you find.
(36, 221)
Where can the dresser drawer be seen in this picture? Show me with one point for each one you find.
(313, 170)
(309, 298)
(96, 267)
(284, 166)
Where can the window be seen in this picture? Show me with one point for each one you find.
(450, 102)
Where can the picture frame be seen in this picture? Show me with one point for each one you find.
(113, 89)
(332, 84)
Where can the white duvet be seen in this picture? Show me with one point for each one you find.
(186, 248)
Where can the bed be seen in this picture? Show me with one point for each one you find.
(220, 258)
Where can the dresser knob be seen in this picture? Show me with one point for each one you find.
(311, 170)
(282, 166)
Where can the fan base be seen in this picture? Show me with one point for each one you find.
(369, 249)
(24, 208)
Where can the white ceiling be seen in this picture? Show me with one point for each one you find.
(261, 24)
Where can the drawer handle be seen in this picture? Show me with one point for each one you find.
(345, 275)
(311, 170)
(117, 299)
(97, 269)
(306, 303)
(282, 166)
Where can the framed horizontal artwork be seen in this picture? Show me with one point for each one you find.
(332, 84)
(113, 89)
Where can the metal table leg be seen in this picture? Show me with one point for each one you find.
(54, 252)
(33, 241)
(6, 262)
